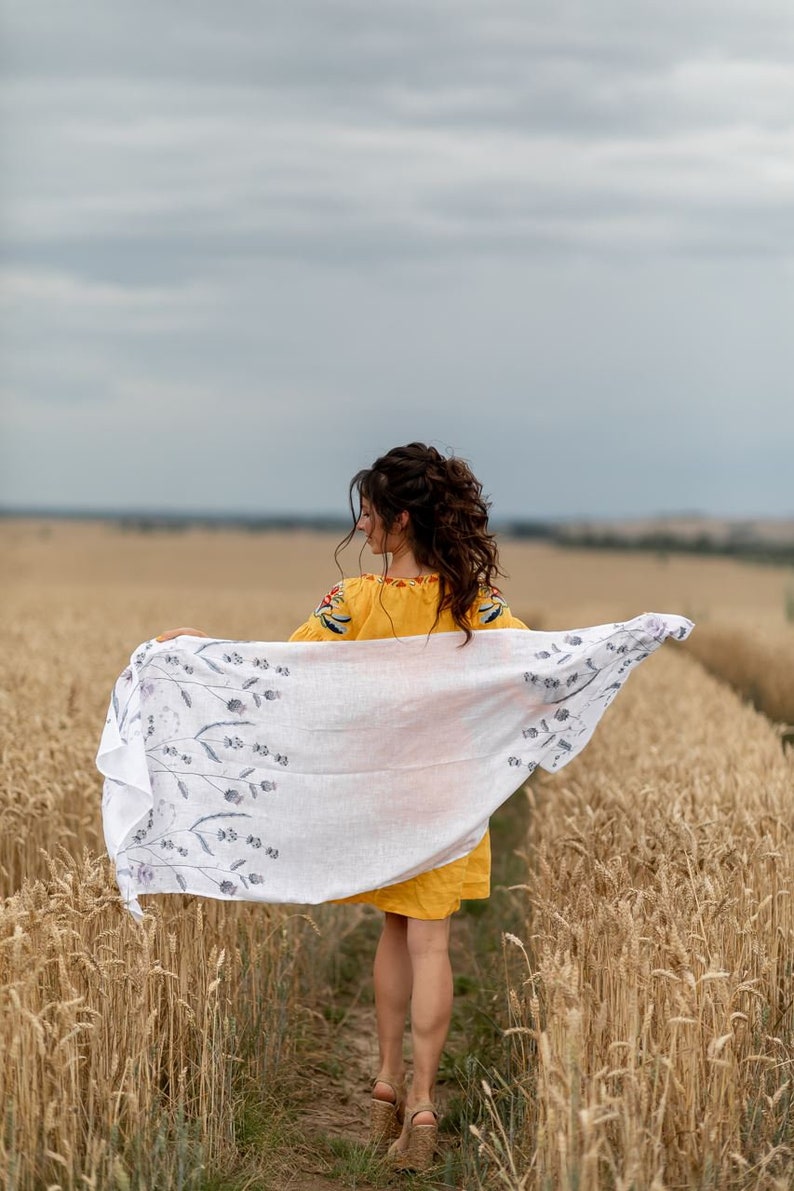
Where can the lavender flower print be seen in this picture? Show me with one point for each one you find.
(654, 627)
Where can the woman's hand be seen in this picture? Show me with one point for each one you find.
(183, 632)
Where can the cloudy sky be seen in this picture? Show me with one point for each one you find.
(246, 247)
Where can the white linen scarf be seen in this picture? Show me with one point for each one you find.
(303, 772)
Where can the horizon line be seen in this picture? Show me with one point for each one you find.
(29, 512)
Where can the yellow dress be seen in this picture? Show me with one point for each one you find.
(368, 607)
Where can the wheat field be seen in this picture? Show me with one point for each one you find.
(647, 993)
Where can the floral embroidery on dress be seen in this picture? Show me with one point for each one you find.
(327, 611)
(418, 581)
(494, 605)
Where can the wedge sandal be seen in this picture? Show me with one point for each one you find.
(386, 1116)
(419, 1151)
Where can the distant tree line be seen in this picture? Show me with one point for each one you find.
(659, 542)
(738, 542)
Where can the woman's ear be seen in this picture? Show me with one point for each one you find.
(403, 518)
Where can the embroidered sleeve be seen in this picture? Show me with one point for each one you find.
(330, 618)
(492, 609)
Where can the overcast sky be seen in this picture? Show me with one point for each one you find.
(247, 246)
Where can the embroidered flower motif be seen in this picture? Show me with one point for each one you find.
(145, 874)
(327, 611)
(494, 605)
(228, 887)
(419, 581)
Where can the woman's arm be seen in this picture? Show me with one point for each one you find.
(169, 634)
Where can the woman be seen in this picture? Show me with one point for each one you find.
(425, 516)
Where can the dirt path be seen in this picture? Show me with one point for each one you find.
(342, 1110)
(333, 1120)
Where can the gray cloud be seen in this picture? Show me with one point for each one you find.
(279, 236)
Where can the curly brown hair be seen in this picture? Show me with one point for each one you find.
(448, 520)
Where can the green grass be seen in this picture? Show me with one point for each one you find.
(356, 1166)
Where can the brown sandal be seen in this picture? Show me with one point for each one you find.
(386, 1116)
(419, 1152)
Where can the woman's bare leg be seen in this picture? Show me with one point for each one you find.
(431, 1005)
(393, 983)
